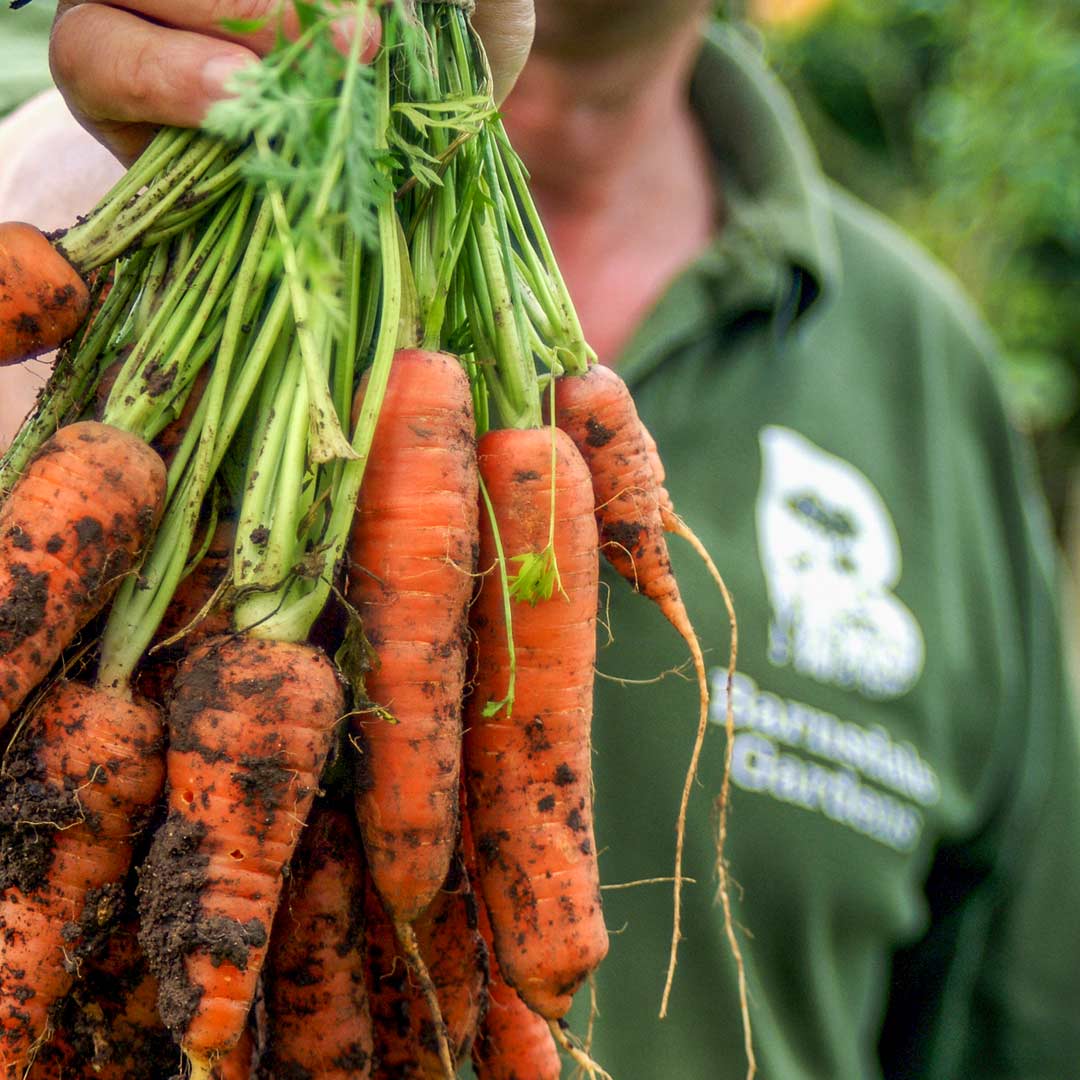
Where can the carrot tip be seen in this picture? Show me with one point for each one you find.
(577, 1054)
(406, 936)
(199, 1068)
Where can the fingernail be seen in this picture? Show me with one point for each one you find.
(218, 73)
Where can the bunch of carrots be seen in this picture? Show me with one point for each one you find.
(299, 558)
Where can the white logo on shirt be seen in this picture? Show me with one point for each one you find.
(831, 559)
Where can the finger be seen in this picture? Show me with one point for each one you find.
(219, 18)
(506, 28)
(208, 17)
(115, 68)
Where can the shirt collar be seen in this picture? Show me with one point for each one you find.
(776, 253)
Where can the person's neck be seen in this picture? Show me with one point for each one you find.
(621, 175)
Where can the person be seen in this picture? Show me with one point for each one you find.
(904, 837)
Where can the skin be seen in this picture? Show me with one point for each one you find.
(599, 113)
(125, 69)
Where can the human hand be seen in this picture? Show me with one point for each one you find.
(124, 71)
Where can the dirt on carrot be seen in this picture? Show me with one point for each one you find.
(528, 770)
(75, 523)
(79, 779)
(250, 726)
(42, 297)
(412, 554)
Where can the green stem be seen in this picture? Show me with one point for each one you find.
(174, 316)
(507, 703)
(107, 235)
(327, 439)
(292, 621)
(141, 602)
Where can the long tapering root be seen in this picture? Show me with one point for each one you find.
(677, 527)
(684, 803)
(406, 936)
(576, 1053)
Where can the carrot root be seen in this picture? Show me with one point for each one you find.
(529, 771)
(406, 936)
(412, 554)
(74, 524)
(577, 1054)
(42, 297)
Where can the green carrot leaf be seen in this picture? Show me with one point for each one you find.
(536, 578)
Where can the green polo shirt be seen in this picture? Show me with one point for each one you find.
(905, 813)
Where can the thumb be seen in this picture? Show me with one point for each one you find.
(506, 28)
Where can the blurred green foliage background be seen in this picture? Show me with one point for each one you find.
(24, 51)
(961, 120)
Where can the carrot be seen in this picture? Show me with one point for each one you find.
(513, 1042)
(412, 553)
(109, 1025)
(42, 297)
(318, 1016)
(634, 510)
(75, 523)
(237, 1063)
(529, 773)
(598, 413)
(250, 726)
(455, 960)
(79, 780)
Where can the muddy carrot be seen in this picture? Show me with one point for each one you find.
(318, 1019)
(79, 781)
(634, 510)
(406, 1037)
(513, 1042)
(412, 554)
(528, 771)
(75, 523)
(42, 297)
(250, 725)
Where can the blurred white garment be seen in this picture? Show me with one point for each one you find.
(51, 171)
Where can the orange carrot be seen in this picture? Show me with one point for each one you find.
(598, 413)
(448, 937)
(80, 779)
(412, 554)
(74, 524)
(42, 297)
(317, 1011)
(250, 725)
(529, 773)
(237, 1063)
(513, 1042)
(109, 1027)
(634, 510)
